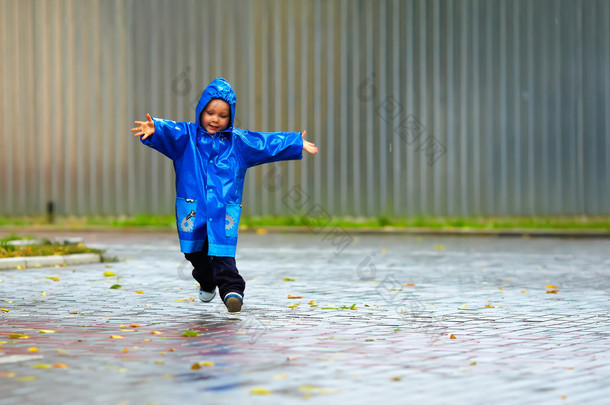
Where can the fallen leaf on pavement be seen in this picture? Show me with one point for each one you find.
(109, 274)
(134, 325)
(46, 331)
(294, 296)
(116, 337)
(190, 333)
(26, 378)
(44, 293)
(7, 374)
(54, 278)
(125, 350)
(552, 291)
(115, 286)
(191, 299)
(5, 310)
(33, 349)
(452, 336)
(260, 391)
(42, 365)
(18, 336)
(200, 364)
(410, 285)
(60, 365)
(551, 286)
(154, 332)
(139, 292)
(288, 279)
(293, 306)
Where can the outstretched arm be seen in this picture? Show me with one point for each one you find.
(309, 146)
(169, 138)
(145, 128)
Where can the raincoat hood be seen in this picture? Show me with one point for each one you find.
(221, 89)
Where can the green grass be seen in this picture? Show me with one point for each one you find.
(167, 222)
(45, 248)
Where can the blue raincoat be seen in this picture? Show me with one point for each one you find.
(210, 171)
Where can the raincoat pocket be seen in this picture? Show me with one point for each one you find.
(186, 214)
(232, 219)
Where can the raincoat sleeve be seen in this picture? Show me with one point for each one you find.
(263, 147)
(169, 138)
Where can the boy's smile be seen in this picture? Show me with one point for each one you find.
(215, 116)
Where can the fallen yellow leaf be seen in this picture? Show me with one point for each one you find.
(139, 292)
(6, 374)
(474, 363)
(199, 364)
(552, 291)
(293, 306)
(46, 331)
(134, 325)
(260, 391)
(5, 310)
(44, 293)
(463, 307)
(44, 366)
(410, 285)
(452, 336)
(181, 299)
(154, 332)
(524, 291)
(109, 274)
(489, 306)
(60, 365)
(33, 349)
(18, 336)
(191, 299)
(125, 350)
(116, 337)
(54, 278)
(551, 286)
(294, 296)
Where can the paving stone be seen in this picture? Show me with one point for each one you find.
(396, 346)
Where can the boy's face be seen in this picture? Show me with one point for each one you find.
(215, 116)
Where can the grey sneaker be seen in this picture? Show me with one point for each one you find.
(233, 301)
(205, 296)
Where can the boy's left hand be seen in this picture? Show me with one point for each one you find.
(309, 146)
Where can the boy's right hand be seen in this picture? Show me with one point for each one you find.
(144, 128)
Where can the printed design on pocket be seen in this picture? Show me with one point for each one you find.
(188, 222)
(229, 222)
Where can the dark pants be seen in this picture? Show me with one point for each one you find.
(213, 271)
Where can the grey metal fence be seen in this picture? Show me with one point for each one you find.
(456, 107)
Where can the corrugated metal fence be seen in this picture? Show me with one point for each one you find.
(419, 107)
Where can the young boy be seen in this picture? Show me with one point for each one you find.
(210, 160)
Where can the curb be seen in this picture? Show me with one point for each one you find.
(525, 233)
(29, 262)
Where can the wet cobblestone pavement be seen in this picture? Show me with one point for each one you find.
(388, 319)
